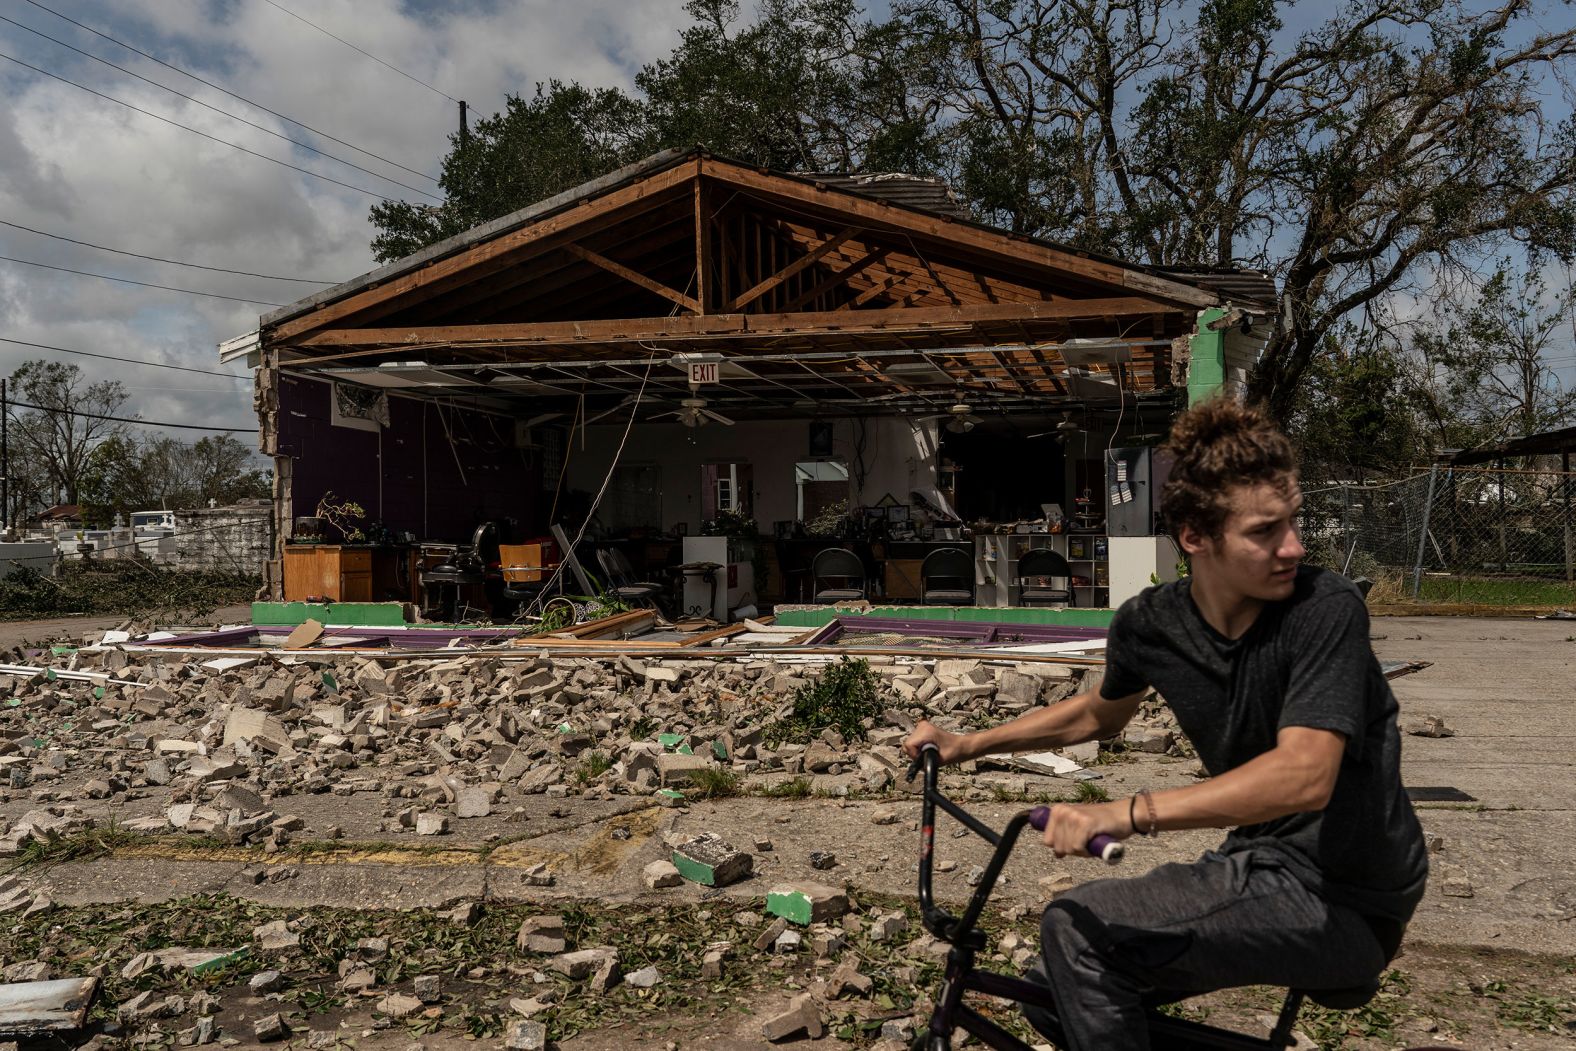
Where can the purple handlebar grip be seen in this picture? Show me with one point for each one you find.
(1103, 847)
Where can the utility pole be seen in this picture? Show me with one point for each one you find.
(465, 128)
(5, 459)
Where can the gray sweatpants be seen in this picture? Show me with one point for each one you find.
(1116, 946)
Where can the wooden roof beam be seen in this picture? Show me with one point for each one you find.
(809, 259)
(1015, 250)
(917, 320)
(491, 256)
(634, 277)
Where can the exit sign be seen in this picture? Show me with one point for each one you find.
(702, 372)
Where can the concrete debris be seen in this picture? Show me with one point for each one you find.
(526, 1036)
(806, 903)
(221, 745)
(710, 861)
(542, 934)
(660, 875)
(276, 936)
(1456, 884)
(266, 982)
(645, 978)
(847, 981)
(1057, 884)
(770, 935)
(399, 1006)
(428, 988)
(582, 964)
(802, 1018)
(1429, 726)
(898, 1029)
(270, 1028)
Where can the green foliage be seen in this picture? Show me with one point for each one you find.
(559, 137)
(840, 698)
(115, 587)
(592, 766)
(791, 788)
(1344, 158)
(1089, 792)
(716, 782)
(129, 473)
(52, 445)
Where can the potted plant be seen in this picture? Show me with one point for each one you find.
(342, 515)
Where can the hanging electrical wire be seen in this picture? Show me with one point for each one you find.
(159, 259)
(143, 284)
(362, 51)
(129, 361)
(129, 419)
(208, 83)
(226, 113)
(175, 123)
(194, 131)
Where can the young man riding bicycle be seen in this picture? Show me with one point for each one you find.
(1267, 665)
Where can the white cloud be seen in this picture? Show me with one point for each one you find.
(79, 166)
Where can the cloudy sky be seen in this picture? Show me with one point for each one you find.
(79, 166)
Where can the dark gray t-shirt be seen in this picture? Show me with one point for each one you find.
(1306, 661)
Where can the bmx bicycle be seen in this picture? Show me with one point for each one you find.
(967, 940)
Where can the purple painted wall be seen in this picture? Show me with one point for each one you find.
(408, 476)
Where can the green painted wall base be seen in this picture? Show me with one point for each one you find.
(338, 614)
(1076, 618)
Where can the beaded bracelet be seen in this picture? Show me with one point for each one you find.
(1149, 809)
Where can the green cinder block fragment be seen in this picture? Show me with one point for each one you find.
(670, 741)
(710, 861)
(806, 903)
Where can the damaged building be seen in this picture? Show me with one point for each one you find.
(736, 389)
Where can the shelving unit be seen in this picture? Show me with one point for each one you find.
(996, 566)
(1093, 563)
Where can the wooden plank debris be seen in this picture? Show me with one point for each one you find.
(35, 1008)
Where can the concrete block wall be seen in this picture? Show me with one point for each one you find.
(238, 538)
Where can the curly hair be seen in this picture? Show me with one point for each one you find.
(1216, 445)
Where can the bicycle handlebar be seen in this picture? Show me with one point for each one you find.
(1106, 848)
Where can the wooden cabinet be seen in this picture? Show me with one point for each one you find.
(328, 571)
(900, 578)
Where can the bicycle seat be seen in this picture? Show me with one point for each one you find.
(1348, 999)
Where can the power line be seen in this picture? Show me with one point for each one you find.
(143, 423)
(158, 259)
(194, 131)
(130, 361)
(216, 87)
(143, 284)
(225, 113)
(353, 47)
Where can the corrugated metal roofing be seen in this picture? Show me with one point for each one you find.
(1238, 286)
(911, 191)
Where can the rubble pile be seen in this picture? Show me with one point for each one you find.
(225, 747)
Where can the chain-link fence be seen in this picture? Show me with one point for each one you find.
(1467, 535)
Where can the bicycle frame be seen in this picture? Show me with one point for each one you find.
(961, 976)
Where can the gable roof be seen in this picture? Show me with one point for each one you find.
(913, 194)
(845, 290)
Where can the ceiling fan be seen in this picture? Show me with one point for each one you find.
(959, 416)
(692, 412)
(1065, 428)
